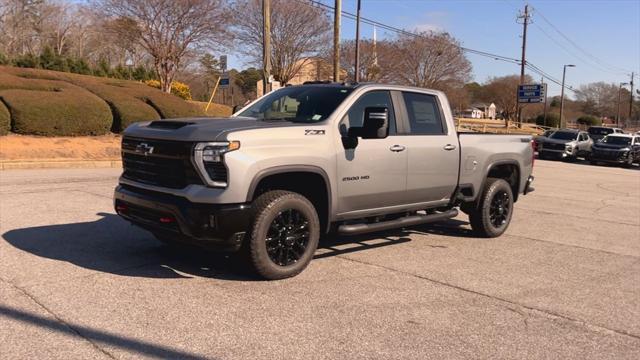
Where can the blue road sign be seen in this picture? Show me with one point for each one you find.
(532, 93)
(224, 82)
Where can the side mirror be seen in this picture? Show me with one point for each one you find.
(374, 126)
(235, 109)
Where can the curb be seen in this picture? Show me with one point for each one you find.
(59, 164)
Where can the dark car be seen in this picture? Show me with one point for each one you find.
(617, 148)
(541, 138)
(565, 144)
(597, 133)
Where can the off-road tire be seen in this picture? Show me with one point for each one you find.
(267, 207)
(480, 217)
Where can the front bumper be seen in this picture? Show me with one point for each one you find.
(617, 157)
(556, 154)
(217, 226)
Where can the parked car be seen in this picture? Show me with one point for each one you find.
(566, 144)
(304, 160)
(541, 138)
(597, 133)
(623, 149)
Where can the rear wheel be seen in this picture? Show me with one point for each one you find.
(493, 214)
(284, 235)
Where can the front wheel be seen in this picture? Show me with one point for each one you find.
(493, 214)
(284, 235)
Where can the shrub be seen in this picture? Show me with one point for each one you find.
(553, 120)
(5, 119)
(65, 112)
(589, 120)
(177, 88)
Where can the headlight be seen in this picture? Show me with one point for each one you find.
(208, 158)
(625, 150)
(568, 147)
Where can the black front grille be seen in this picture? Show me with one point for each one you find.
(553, 146)
(158, 162)
(608, 155)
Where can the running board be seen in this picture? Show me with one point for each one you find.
(355, 229)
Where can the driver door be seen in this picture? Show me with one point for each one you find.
(373, 175)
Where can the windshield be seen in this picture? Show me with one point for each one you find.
(298, 103)
(617, 140)
(564, 135)
(600, 131)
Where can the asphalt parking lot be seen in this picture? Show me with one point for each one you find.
(564, 282)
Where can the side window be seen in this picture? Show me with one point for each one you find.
(424, 114)
(355, 115)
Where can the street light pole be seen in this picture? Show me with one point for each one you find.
(619, 98)
(564, 73)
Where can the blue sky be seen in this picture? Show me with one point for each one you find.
(608, 30)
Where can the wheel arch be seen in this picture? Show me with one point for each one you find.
(508, 170)
(308, 180)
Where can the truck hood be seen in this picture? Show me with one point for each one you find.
(199, 129)
(610, 146)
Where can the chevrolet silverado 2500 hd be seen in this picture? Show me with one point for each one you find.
(314, 159)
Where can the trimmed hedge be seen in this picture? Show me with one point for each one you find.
(5, 119)
(125, 106)
(589, 120)
(66, 112)
(127, 101)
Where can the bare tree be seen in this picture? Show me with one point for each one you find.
(431, 60)
(298, 31)
(502, 92)
(59, 19)
(167, 29)
(376, 60)
(601, 99)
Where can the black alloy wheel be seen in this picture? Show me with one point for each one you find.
(499, 209)
(288, 237)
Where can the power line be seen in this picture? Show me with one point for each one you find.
(378, 24)
(564, 48)
(576, 46)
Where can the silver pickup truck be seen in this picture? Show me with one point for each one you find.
(316, 159)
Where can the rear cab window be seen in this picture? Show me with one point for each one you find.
(424, 116)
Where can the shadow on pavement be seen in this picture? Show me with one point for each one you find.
(114, 246)
(98, 336)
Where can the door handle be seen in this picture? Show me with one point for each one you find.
(449, 147)
(397, 148)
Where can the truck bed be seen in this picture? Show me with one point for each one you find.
(480, 151)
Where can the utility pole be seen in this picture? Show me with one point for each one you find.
(631, 98)
(525, 21)
(545, 102)
(564, 73)
(357, 67)
(266, 45)
(336, 40)
(619, 99)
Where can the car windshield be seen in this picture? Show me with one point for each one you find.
(617, 140)
(548, 133)
(298, 104)
(600, 131)
(564, 135)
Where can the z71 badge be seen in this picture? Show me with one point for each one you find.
(314, 132)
